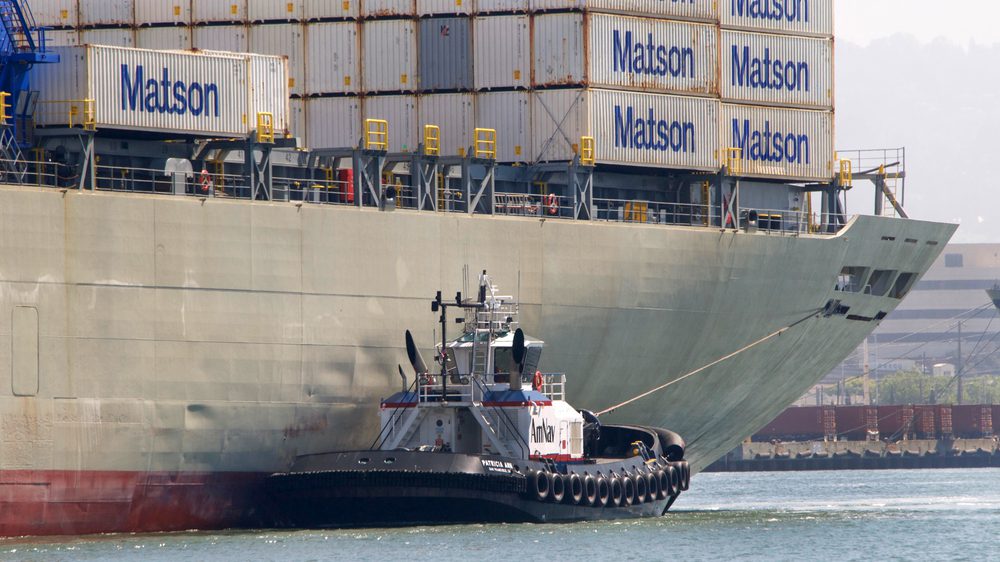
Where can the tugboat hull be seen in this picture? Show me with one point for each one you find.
(389, 488)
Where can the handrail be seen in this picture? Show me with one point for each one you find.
(508, 423)
(391, 424)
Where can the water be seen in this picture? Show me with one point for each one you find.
(879, 515)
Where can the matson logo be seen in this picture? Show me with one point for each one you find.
(650, 132)
(767, 145)
(773, 10)
(167, 96)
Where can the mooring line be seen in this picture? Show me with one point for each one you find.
(770, 336)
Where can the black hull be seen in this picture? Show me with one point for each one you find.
(438, 488)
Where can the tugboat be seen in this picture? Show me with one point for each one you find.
(488, 438)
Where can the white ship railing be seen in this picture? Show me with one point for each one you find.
(209, 184)
(461, 388)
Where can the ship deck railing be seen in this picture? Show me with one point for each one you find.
(462, 388)
(783, 222)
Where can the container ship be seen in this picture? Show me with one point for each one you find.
(219, 218)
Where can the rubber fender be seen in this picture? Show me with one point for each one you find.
(640, 488)
(671, 444)
(589, 490)
(663, 480)
(539, 485)
(673, 473)
(574, 489)
(558, 487)
(685, 476)
(652, 487)
(615, 498)
(603, 492)
(628, 490)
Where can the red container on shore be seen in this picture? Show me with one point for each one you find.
(794, 424)
(926, 422)
(857, 423)
(896, 422)
(972, 421)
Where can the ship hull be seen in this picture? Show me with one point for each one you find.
(169, 338)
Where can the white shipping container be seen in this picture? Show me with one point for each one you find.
(285, 40)
(332, 58)
(777, 69)
(502, 47)
(626, 52)
(389, 56)
(401, 114)
(509, 113)
(629, 128)
(328, 9)
(275, 10)
(161, 12)
(677, 9)
(106, 12)
(387, 8)
(796, 17)
(333, 122)
(455, 114)
(791, 144)
(228, 38)
(494, 6)
(115, 37)
(435, 7)
(212, 11)
(177, 38)
(165, 91)
(62, 37)
(56, 13)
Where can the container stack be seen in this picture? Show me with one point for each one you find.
(657, 84)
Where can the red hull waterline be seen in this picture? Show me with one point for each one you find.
(88, 502)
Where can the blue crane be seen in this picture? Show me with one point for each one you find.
(22, 45)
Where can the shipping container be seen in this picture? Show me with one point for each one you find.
(502, 6)
(169, 92)
(62, 37)
(502, 47)
(401, 114)
(972, 421)
(795, 17)
(777, 70)
(857, 423)
(314, 10)
(162, 12)
(94, 13)
(164, 38)
(926, 422)
(388, 8)
(945, 428)
(625, 52)
(445, 54)
(56, 13)
(285, 40)
(297, 119)
(794, 424)
(455, 114)
(790, 144)
(332, 58)
(333, 122)
(275, 10)
(444, 7)
(703, 10)
(115, 37)
(896, 422)
(389, 56)
(229, 38)
(509, 113)
(629, 128)
(219, 11)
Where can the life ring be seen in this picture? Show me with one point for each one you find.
(205, 180)
(558, 492)
(574, 487)
(552, 204)
(537, 381)
(539, 485)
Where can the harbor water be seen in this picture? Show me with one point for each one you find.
(847, 515)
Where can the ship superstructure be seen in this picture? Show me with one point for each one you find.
(188, 313)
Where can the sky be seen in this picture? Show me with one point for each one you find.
(925, 75)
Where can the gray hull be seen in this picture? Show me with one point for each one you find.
(167, 340)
